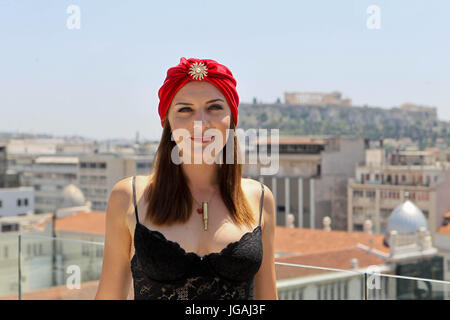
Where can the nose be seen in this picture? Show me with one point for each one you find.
(202, 118)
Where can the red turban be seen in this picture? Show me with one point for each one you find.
(198, 70)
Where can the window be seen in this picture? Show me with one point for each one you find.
(26, 201)
(357, 193)
(83, 165)
(411, 195)
(423, 196)
(85, 250)
(370, 195)
(1, 204)
(92, 165)
(369, 213)
(393, 194)
(385, 213)
(19, 202)
(102, 165)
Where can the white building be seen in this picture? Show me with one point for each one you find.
(16, 201)
(100, 172)
(49, 176)
(378, 187)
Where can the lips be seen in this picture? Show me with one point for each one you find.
(204, 139)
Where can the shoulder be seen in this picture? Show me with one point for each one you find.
(122, 193)
(254, 188)
(123, 188)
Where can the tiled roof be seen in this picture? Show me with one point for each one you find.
(304, 241)
(82, 221)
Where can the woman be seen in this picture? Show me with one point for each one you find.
(195, 229)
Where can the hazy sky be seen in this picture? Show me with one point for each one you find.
(101, 80)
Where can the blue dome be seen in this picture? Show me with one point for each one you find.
(406, 218)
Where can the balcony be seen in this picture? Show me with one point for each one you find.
(47, 268)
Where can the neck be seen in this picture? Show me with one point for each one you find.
(201, 177)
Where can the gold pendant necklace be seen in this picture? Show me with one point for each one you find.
(204, 210)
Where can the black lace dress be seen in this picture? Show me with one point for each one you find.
(162, 269)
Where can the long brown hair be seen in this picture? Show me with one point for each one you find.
(169, 197)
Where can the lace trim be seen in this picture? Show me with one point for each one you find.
(183, 252)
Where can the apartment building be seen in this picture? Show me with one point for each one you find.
(312, 177)
(98, 173)
(380, 185)
(48, 175)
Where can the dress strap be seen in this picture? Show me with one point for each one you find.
(134, 198)
(261, 204)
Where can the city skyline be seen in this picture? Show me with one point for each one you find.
(101, 81)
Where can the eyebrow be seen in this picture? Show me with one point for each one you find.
(190, 104)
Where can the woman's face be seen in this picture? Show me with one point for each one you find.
(199, 109)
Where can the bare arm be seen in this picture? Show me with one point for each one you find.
(265, 279)
(115, 279)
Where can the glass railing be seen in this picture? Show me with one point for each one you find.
(41, 267)
(394, 287)
(303, 282)
(47, 268)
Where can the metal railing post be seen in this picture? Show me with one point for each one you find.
(366, 288)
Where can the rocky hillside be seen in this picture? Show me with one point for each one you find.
(371, 122)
